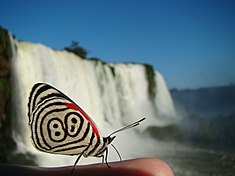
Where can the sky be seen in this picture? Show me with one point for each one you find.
(190, 42)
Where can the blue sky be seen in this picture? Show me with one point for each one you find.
(191, 42)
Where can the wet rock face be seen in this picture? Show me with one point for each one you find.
(5, 53)
(5, 69)
(5, 121)
(8, 146)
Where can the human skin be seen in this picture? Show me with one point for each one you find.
(134, 167)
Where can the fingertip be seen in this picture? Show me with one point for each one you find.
(162, 168)
(132, 167)
(154, 166)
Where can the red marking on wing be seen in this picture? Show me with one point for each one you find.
(77, 108)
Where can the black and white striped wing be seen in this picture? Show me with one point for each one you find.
(58, 125)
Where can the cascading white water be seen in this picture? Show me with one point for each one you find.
(112, 94)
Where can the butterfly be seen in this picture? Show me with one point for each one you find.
(60, 126)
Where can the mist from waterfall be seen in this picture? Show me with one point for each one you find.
(113, 94)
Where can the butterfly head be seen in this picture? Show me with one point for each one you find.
(110, 139)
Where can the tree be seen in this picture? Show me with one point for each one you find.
(76, 49)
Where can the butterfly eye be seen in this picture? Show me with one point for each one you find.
(55, 130)
(73, 123)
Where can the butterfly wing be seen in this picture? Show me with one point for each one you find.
(58, 125)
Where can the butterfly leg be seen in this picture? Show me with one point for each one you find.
(102, 159)
(106, 158)
(77, 161)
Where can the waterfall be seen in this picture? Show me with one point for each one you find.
(113, 94)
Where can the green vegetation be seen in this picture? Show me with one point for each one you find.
(97, 60)
(2, 40)
(150, 75)
(5, 45)
(76, 49)
(112, 70)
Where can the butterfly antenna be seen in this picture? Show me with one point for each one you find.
(128, 126)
